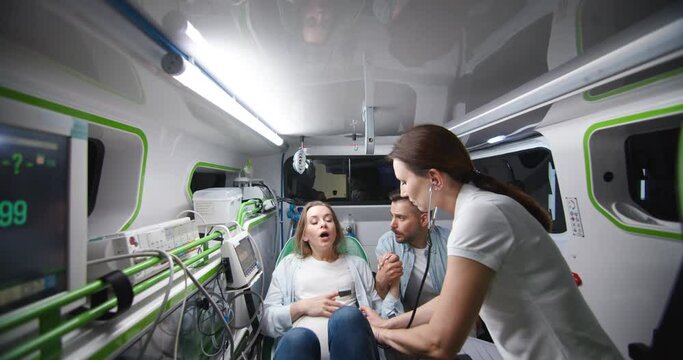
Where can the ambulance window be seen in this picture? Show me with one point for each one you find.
(204, 178)
(342, 180)
(651, 171)
(631, 167)
(533, 171)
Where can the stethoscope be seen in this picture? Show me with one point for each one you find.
(430, 224)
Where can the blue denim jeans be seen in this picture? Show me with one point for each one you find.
(349, 337)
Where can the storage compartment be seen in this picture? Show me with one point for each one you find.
(632, 171)
(217, 205)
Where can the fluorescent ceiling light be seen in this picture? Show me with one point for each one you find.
(496, 139)
(193, 78)
(195, 35)
(199, 82)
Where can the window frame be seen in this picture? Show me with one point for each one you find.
(288, 171)
(663, 229)
(528, 145)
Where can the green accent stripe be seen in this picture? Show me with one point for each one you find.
(589, 179)
(45, 104)
(206, 165)
(628, 87)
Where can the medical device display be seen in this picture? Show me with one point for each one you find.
(240, 260)
(42, 205)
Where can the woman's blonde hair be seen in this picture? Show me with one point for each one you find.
(302, 247)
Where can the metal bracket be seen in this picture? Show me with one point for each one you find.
(369, 108)
(369, 119)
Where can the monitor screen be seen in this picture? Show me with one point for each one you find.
(34, 215)
(245, 252)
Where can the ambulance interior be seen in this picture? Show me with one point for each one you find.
(155, 154)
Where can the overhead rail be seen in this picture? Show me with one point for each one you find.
(655, 40)
(369, 107)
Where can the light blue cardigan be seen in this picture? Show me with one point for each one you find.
(277, 319)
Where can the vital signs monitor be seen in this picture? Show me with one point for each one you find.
(43, 207)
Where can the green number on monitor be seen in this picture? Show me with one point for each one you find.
(20, 212)
(5, 214)
(17, 158)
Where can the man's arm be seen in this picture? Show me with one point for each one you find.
(389, 271)
(383, 279)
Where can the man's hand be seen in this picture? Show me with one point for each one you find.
(389, 271)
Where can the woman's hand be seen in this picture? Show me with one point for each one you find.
(319, 306)
(373, 317)
(378, 335)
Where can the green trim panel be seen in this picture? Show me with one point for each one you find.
(49, 105)
(623, 89)
(628, 87)
(589, 183)
(206, 165)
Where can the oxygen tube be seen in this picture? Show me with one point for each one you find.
(432, 218)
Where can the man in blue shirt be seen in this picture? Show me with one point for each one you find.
(402, 258)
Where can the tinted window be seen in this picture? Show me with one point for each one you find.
(204, 178)
(651, 171)
(342, 180)
(532, 171)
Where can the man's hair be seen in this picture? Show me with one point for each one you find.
(396, 196)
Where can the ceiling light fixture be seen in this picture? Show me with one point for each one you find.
(496, 139)
(196, 80)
